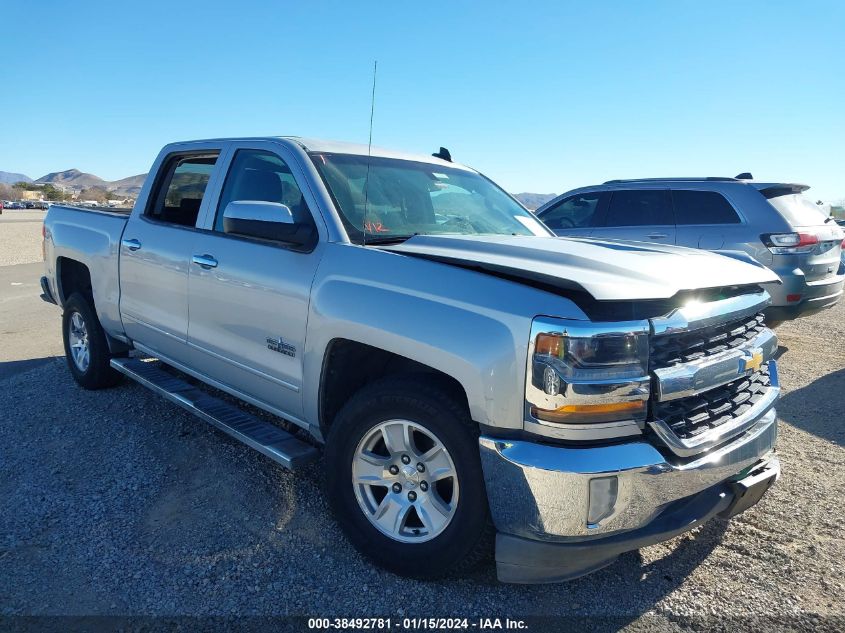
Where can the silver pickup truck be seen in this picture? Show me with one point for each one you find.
(475, 383)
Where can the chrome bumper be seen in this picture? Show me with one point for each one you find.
(543, 492)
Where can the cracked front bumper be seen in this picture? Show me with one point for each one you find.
(540, 498)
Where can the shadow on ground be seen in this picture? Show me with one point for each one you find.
(11, 367)
(817, 408)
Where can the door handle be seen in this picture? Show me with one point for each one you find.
(657, 236)
(132, 245)
(205, 261)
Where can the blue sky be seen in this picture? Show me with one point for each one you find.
(541, 97)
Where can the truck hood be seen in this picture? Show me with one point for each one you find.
(609, 270)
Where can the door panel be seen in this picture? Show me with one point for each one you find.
(155, 254)
(154, 285)
(248, 317)
(643, 215)
(249, 297)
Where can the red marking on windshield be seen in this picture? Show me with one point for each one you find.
(376, 227)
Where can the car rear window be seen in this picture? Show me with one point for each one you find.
(703, 207)
(797, 209)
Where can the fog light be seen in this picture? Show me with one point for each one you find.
(603, 493)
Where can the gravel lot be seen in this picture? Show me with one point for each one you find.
(20, 237)
(118, 503)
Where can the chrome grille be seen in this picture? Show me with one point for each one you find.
(683, 347)
(693, 416)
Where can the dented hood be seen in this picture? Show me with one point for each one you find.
(609, 270)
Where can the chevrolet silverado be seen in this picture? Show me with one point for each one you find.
(474, 384)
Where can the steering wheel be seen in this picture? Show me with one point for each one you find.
(565, 223)
(460, 222)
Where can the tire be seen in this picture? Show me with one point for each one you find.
(420, 548)
(93, 372)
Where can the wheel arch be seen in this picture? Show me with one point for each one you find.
(349, 365)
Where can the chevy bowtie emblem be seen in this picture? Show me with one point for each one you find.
(753, 363)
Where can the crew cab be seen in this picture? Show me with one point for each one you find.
(472, 383)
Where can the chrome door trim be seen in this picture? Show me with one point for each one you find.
(131, 244)
(204, 261)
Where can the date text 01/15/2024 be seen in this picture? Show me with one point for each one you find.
(408, 624)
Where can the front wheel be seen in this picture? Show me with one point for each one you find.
(404, 479)
(86, 348)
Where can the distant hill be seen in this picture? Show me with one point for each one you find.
(129, 187)
(534, 200)
(10, 178)
(73, 178)
(78, 180)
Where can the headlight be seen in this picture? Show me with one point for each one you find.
(587, 381)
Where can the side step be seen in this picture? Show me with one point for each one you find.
(274, 442)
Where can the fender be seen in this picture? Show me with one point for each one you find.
(471, 326)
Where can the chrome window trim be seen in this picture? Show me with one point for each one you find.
(695, 316)
(740, 424)
(690, 379)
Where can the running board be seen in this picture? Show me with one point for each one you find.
(266, 438)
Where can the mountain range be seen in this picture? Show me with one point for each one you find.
(130, 187)
(78, 180)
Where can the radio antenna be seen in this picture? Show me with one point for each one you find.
(369, 152)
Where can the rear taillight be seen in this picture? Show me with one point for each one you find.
(783, 243)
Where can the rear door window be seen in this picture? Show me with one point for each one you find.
(576, 212)
(179, 192)
(703, 207)
(639, 207)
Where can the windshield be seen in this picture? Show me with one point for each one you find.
(401, 198)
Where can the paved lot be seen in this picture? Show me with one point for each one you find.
(116, 502)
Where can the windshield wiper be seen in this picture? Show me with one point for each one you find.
(387, 239)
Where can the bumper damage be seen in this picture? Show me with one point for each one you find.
(563, 512)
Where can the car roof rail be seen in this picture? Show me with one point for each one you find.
(675, 179)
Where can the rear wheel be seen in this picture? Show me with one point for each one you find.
(86, 348)
(404, 479)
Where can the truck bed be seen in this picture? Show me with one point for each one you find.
(91, 237)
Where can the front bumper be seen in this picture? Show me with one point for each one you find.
(540, 498)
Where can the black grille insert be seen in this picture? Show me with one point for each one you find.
(690, 417)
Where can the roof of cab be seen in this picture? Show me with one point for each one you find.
(336, 147)
(359, 149)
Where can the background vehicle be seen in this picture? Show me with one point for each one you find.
(471, 376)
(771, 222)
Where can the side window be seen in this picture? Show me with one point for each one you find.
(259, 175)
(179, 192)
(575, 212)
(639, 207)
(703, 207)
